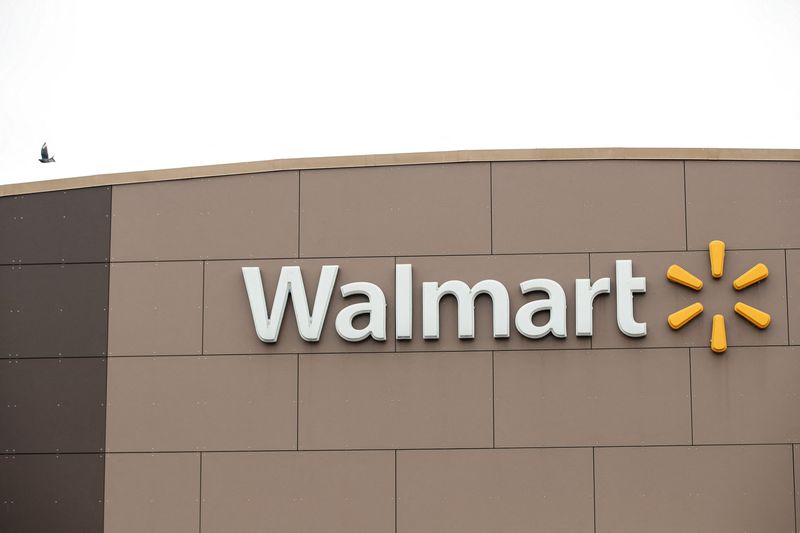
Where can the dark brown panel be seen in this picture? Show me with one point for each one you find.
(57, 227)
(53, 310)
(44, 493)
(52, 405)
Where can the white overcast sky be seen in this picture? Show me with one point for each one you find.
(121, 86)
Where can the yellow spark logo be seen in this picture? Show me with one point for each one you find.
(716, 252)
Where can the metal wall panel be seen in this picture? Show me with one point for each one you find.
(72, 226)
(53, 337)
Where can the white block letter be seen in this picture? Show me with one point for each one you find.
(268, 325)
(403, 300)
(432, 293)
(627, 285)
(585, 293)
(556, 303)
(375, 307)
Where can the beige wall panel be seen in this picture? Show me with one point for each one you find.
(152, 493)
(747, 204)
(747, 395)
(419, 400)
(587, 398)
(717, 296)
(706, 489)
(302, 492)
(577, 206)
(229, 322)
(797, 485)
(155, 308)
(423, 209)
(510, 270)
(793, 281)
(202, 403)
(463, 491)
(209, 218)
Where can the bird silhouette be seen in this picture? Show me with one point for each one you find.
(45, 158)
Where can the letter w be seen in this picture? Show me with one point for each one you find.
(290, 282)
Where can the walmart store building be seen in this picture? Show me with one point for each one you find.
(515, 341)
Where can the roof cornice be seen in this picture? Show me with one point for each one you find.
(416, 158)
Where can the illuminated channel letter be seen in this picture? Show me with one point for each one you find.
(556, 303)
(627, 285)
(268, 325)
(375, 307)
(585, 293)
(432, 293)
(403, 298)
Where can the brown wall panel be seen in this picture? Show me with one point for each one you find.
(56, 227)
(202, 403)
(494, 490)
(152, 492)
(419, 400)
(582, 206)
(797, 485)
(404, 210)
(694, 489)
(47, 492)
(510, 270)
(229, 322)
(586, 398)
(793, 291)
(52, 405)
(749, 395)
(298, 491)
(156, 308)
(209, 218)
(53, 310)
(747, 204)
(718, 296)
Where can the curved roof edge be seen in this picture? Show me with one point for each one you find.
(413, 158)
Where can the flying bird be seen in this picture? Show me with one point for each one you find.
(45, 158)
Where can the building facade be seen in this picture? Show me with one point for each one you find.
(509, 341)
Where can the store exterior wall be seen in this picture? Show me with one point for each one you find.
(136, 395)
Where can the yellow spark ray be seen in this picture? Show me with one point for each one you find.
(719, 341)
(681, 276)
(716, 253)
(754, 275)
(680, 318)
(757, 317)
